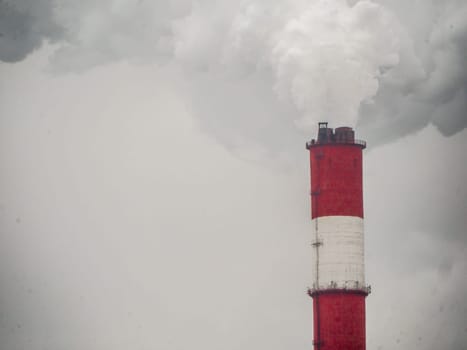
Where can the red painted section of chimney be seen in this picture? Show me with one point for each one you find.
(342, 320)
(336, 180)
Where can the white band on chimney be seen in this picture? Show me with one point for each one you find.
(338, 254)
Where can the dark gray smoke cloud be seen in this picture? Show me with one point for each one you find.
(389, 67)
(430, 87)
(24, 25)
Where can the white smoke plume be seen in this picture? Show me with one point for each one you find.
(326, 57)
(271, 70)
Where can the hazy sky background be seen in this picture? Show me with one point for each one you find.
(154, 187)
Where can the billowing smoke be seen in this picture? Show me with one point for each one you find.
(258, 71)
(430, 83)
(327, 56)
(24, 24)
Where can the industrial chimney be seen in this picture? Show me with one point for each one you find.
(339, 288)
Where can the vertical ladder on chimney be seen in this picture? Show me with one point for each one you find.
(316, 244)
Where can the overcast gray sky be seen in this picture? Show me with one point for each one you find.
(154, 187)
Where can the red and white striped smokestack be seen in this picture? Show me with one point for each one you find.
(339, 288)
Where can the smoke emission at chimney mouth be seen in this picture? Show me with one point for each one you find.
(365, 63)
